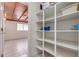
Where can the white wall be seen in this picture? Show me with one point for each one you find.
(34, 7)
(11, 31)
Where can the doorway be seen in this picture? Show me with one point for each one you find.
(14, 36)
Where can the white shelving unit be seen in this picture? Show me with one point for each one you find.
(66, 44)
(47, 49)
(48, 41)
(66, 36)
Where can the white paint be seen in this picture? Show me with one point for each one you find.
(12, 33)
(33, 9)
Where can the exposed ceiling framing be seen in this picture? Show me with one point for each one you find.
(23, 13)
(16, 11)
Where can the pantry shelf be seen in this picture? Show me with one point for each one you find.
(50, 41)
(59, 35)
(68, 16)
(51, 19)
(50, 51)
(68, 44)
(67, 30)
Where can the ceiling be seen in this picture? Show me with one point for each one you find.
(15, 11)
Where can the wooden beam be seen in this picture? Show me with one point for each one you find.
(23, 13)
(14, 8)
(17, 21)
(26, 18)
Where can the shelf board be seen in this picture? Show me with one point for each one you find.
(67, 30)
(40, 39)
(68, 44)
(66, 54)
(47, 40)
(65, 44)
(61, 17)
(50, 51)
(39, 47)
(61, 5)
(68, 16)
(59, 31)
(44, 31)
(51, 19)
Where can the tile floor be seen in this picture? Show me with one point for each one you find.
(16, 48)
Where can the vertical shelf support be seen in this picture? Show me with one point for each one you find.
(43, 34)
(55, 28)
